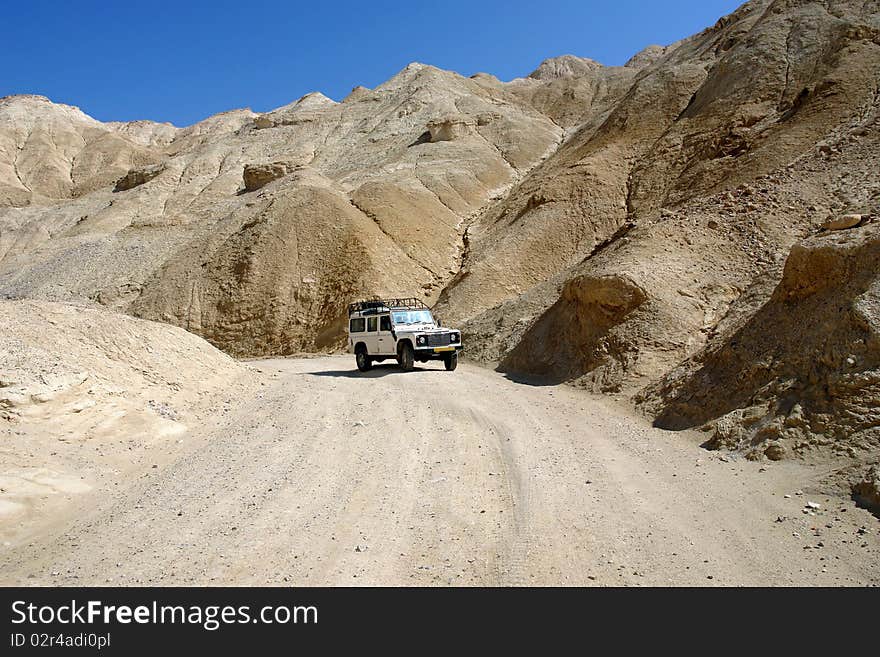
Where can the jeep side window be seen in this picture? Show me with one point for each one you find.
(357, 325)
(385, 323)
(371, 325)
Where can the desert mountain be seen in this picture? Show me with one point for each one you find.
(254, 230)
(654, 229)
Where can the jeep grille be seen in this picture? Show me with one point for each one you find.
(439, 339)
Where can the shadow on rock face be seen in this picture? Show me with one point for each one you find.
(574, 336)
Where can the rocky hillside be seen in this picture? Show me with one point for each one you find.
(801, 369)
(255, 230)
(626, 229)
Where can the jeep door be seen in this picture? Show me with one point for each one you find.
(372, 335)
(387, 345)
(356, 328)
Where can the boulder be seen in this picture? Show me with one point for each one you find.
(263, 121)
(136, 177)
(867, 491)
(775, 451)
(259, 175)
(843, 222)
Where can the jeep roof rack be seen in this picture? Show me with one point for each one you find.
(376, 304)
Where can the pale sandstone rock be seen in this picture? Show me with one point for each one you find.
(450, 128)
(359, 93)
(648, 56)
(263, 122)
(867, 490)
(565, 66)
(843, 222)
(258, 175)
(146, 133)
(137, 177)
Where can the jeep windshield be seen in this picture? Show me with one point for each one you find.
(409, 317)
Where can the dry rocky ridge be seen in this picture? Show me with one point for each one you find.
(671, 231)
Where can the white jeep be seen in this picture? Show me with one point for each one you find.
(399, 328)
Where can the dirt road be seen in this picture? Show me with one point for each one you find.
(328, 476)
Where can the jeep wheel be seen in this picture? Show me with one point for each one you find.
(364, 362)
(450, 361)
(405, 356)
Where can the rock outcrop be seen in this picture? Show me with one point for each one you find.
(577, 334)
(137, 177)
(867, 489)
(450, 128)
(803, 372)
(259, 175)
(566, 66)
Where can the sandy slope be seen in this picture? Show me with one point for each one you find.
(325, 476)
(89, 397)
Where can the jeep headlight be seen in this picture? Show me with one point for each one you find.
(455, 337)
(421, 339)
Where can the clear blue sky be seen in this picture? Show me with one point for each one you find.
(182, 61)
